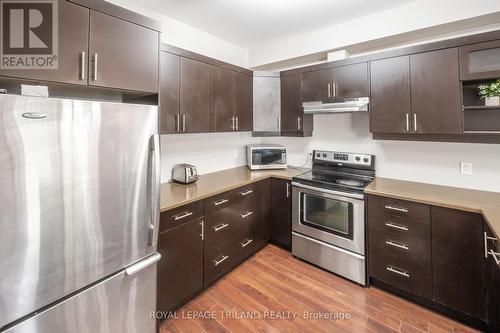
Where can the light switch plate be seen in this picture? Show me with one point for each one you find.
(466, 168)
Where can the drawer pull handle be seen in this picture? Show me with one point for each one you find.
(486, 239)
(398, 271)
(182, 215)
(220, 202)
(398, 245)
(397, 209)
(246, 193)
(247, 214)
(245, 243)
(494, 255)
(220, 226)
(396, 226)
(221, 260)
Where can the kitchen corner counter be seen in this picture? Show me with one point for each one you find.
(487, 203)
(174, 195)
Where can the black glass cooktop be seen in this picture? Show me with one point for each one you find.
(333, 180)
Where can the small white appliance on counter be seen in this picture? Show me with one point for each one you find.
(266, 156)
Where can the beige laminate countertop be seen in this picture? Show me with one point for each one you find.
(487, 203)
(174, 195)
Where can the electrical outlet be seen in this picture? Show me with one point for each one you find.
(466, 168)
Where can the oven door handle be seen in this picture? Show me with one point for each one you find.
(322, 190)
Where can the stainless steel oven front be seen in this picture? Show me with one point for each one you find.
(329, 229)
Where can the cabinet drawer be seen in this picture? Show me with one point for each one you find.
(218, 263)
(177, 216)
(243, 193)
(401, 261)
(217, 202)
(246, 245)
(397, 225)
(245, 217)
(219, 226)
(395, 207)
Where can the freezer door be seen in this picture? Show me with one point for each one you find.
(78, 196)
(122, 303)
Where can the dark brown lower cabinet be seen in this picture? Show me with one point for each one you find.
(262, 189)
(458, 261)
(180, 270)
(492, 280)
(281, 212)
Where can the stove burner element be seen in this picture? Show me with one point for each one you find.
(349, 182)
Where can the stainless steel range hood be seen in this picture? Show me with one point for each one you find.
(337, 105)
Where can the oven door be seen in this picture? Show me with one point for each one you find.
(268, 158)
(336, 218)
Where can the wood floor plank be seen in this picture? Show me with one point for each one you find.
(273, 281)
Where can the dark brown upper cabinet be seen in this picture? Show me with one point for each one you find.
(194, 97)
(435, 92)
(293, 120)
(458, 263)
(231, 100)
(122, 55)
(72, 49)
(480, 61)
(342, 82)
(169, 93)
(390, 95)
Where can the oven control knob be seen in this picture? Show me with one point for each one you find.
(318, 155)
(324, 155)
(358, 158)
(365, 159)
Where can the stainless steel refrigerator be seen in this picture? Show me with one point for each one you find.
(79, 206)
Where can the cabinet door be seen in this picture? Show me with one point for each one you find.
(127, 54)
(480, 61)
(243, 100)
(222, 91)
(390, 95)
(194, 96)
(351, 81)
(458, 260)
(316, 85)
(169, 93)
(435, 92)
(263, 201)
(180, 270)
(73, 41)
(281, 212)
(291, 103)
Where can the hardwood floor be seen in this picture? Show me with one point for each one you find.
(275, 292)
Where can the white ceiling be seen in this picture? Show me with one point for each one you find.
(249, 23)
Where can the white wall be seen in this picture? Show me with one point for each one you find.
(187, 37)
(428, 162)
(416, 15)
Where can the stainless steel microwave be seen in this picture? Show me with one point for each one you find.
(266, 156)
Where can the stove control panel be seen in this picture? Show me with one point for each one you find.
(340, 158)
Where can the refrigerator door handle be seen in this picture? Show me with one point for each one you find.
(154, 193)
(145, 263)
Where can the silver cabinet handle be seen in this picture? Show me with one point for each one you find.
(397, 271)
(298, 123)
(94, 74)
(245, 243)
(247, 214)
(184, 123)
(415, 129)
(395, 244)
(494, 255)
(288, 190)
(334, 90)
(397, 209)
(329, 90)
(396, 226)
(177, 122)
(407, 122)
(82, 65)
(278, 123)
(182, 215)
(237, 123)
(220, 261)
(220, 226)
(232, 123)
(202, 234)
(220, 202)
(486, 239)
(246, 193)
